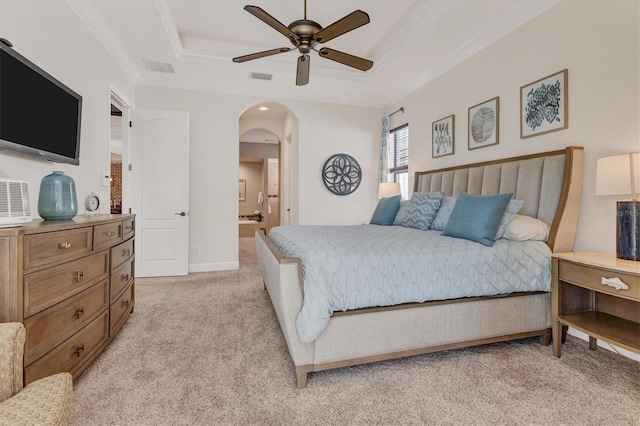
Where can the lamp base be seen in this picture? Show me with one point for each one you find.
(628, 230)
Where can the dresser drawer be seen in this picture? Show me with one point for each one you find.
(120, 279)
(120, 310)
(591, 277)
(56, 247)
(121, 253)
(107, 235)
(47, 287)
(128, 227)
(50, 327)
(72, 353)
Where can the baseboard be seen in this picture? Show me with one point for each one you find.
(605, 345)
(213, 267)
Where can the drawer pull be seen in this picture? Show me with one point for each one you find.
(125, 277)
(615, 282)
(79, 312)
(128, 228)
(79, 350)
(125, 303)
(78, 276)
(111, 234)
(65, 245)
(126, 252)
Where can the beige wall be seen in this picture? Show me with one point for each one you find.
(598, 42)
(52, 35)
(318, 130)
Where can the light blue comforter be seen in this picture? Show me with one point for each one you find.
(350, 267)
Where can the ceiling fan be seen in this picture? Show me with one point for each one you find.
(305, 34)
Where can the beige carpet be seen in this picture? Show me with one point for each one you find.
(207, 350)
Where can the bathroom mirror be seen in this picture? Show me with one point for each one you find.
(242, 189)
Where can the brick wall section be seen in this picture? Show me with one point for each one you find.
(116, 187)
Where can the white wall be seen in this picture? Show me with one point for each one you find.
(323, 129)
(50, 34)
(598, 42)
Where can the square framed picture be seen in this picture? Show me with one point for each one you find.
(484, 124)
(443, 136)
(544, 105)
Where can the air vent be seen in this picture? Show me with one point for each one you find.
(261, 76)
(159, 66)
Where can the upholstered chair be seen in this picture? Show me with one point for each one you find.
(43, 402)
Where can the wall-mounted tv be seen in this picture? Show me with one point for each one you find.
(39, 116)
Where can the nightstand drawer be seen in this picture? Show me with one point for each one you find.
(591, 277)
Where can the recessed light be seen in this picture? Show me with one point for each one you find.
(263, 108)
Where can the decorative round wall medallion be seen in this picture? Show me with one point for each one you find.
(341, 174)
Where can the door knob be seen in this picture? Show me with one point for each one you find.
(181, 214)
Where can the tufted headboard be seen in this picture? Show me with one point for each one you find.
(549, 183)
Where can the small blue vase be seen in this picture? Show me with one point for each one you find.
(57, 199)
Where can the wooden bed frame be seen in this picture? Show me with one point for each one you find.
(551, 185)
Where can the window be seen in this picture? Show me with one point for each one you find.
(399, 157)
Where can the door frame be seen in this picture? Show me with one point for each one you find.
(124, 105)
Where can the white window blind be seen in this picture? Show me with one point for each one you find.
(399, 149)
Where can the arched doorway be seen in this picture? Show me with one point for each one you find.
(274, 123)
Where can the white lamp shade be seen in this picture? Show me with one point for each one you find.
(389, 189)
(618, 175)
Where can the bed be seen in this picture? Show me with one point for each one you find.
(550, 185)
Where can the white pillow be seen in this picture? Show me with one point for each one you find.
(523, 228)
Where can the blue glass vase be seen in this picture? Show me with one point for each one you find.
(57, 199)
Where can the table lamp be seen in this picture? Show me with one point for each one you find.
(620, 175)
(388, 189)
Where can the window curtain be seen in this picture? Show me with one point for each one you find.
(384, 151)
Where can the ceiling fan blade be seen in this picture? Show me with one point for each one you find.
(258, 55)
(302, 74)
(346, 59)
(272, 22)
(350, 22)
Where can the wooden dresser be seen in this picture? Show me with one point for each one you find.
(71, 283)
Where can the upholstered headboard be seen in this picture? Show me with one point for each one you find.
(549, 183)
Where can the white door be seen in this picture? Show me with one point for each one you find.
(160, 199)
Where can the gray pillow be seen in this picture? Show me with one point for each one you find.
(441, 219)
(512, 209)
(422, 209)
(402, 213)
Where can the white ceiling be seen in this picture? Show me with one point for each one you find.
(410, 42)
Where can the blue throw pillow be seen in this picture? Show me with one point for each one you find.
(422, 209)
(477, 217)
(386, 211)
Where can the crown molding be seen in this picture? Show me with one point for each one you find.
(170, 27)
(92, 18)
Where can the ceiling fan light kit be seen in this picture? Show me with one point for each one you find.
(305, 34)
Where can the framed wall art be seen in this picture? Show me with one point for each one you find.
(544, 105)
(242, 189)
(443, 136)
(484, 124)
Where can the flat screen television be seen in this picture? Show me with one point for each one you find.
(39, 116)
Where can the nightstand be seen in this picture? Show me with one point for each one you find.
(580, 300)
